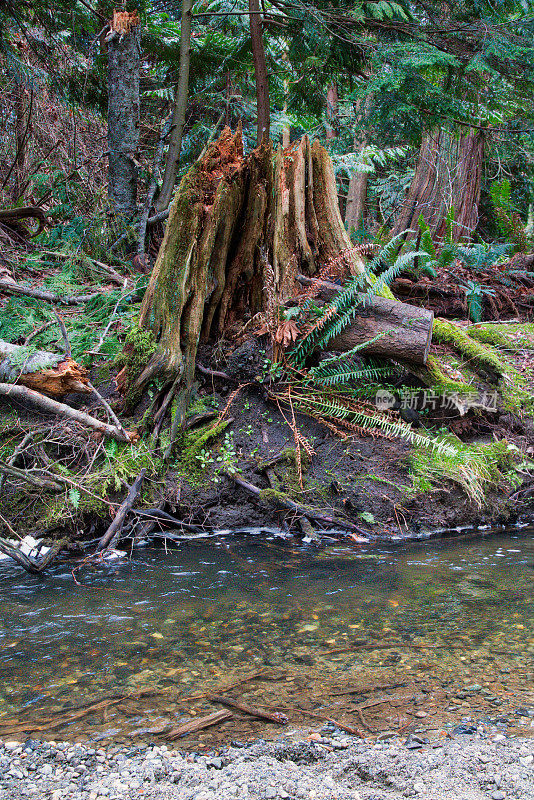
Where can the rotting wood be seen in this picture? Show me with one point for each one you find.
(50, 373)
(280, 719)
(199, 724)
(112, 535)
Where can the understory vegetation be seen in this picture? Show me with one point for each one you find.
(270, 257)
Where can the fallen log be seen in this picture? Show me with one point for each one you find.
(199, 724)
(52, 374)
(11, 218)
(280, 719)
(406, 329)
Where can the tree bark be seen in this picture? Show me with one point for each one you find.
(332, 111)
(357, 194)
(179, 110)
(239, 232)
(124, 61)
(260, 70)
(448, 175)
(406, 330)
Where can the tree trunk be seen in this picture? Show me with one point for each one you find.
(21, 126)
(124, 60)
(357, 194)
(239, 231)
(332, 111)
(179, 109)
(260, 70)
(448, 175)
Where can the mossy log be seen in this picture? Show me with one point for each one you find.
(51, 374)
(407, 330)
(240, 228)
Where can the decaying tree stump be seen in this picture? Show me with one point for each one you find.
(240, 229)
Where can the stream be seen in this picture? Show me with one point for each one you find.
(383, 638)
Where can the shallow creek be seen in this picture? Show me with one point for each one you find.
(414, 638)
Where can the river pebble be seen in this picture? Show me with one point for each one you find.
(296, 767)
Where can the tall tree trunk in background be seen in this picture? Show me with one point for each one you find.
(357, 194)
(179, 109)
(448, 174)
(332, 111)
(124, 61)
(260, 70)
(20, 140)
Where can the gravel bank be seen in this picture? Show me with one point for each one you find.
(324, 766)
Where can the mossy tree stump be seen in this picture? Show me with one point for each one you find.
(240, 229)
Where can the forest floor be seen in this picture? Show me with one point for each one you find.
(383, 487)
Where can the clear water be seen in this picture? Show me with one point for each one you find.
(205, 615)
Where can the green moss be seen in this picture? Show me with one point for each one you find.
(139, 347)
(273, 497)
(475, 353)
(193, 443)
(437, 378)
(511, 336)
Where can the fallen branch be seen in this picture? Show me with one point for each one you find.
(280, 719)
(30, 564)
(199, 724)
(111, 271)
(15, 454)
(30, 477)
(111, 536)
(42, 294)
(285, 502)
(23, 394)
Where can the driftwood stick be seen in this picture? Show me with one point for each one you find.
(112, 534)
(21, 393)
(199, 724)
(163, 516)
(30, 564)
(114, 418)
(280, 719)
(285, 502)
(42, 294)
